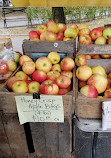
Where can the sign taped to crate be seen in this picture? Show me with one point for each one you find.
(106, 115)
(49, 108)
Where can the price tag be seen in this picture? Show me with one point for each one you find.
(48, 108)
(106, 115)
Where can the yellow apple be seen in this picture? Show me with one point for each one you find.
(20, 87)
(54, 57)
(21, 75)
(28, 67)
(56, 67)
(33, 87)
(12, 65)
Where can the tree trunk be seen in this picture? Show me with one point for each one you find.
(58, 14)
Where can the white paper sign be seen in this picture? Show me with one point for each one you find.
(106, 115)
(48, 108)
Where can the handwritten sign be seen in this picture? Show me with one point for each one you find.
(106, 115)
(46, 109)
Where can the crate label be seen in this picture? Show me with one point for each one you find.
(106, 115)
(48, 108)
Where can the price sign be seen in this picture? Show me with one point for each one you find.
(106, 115)
(48, 108)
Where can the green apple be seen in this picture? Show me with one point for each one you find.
(107, 32)
(16, 57)
(69, 32)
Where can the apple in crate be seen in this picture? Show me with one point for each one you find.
(88, 56)
(105, 56)
(66, 38)
(33, 87)
(54, 57)
(20, 87)
(100, 40)
(53, 75)
(49, 87)
(12, 65)
(80, 60)
(99, 81)
(3, 67)
(23, 59)
(85, 39)
(82, 25)
(63, 91)
(83, 73)
(84, 31)
(60, 36)
(43, 64)
(107, 93)
(21, 75)
(67, 64)
(43, 36)
(17, 57)
(28, 67)
(98, 69)
(33, 34)
(63, 81)
(89, 91)
(41, 28)
(62, 27)
(95, 56)
(38, 76)
(73, 26)
(67, 73)
(107, 33)
(50, 36)
(56, 67)
(95, 33)
(12, 80)
(71, 33)
(52, 27)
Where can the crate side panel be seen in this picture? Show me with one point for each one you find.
(5, 151)
(16, 136)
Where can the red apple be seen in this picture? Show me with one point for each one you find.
(3, 67)
(49, 87)
(63, 91)
(101, 28)
(43, 64)
(33, 87)
(51, 21)
(63, 81)
(107, 93)
(20, 87)
(53, 75)
(52, 27)
(85, 39)
(12, 80)
(62, 27)
(83, 73)
(21, 75)
(39, 76)
(28, 67)
(60, 36)
(41, 28)
(33, 34)
(95, 33)
(67, 64)
(80, 60)
(67, 73)
(99, 81)
(109, 75)
(23, 59)
(89, 91)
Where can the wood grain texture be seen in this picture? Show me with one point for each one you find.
(48, 46)
(94, 49)
(5, 151)
(15, 135)
(91, 107)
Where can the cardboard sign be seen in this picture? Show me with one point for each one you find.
(106, 115)
(48, 108)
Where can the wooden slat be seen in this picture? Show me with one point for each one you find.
(94, 49)
(16, 136)
(5, 151)
(48, 46)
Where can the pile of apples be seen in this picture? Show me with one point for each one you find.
(100, 35)
(7, 67)
(93, 81)
(47, 75)
(55, 32)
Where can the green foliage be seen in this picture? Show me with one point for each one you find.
(72, 14)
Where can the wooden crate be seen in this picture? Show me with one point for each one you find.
(5, 42)
(91, 107)
(53, 140)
